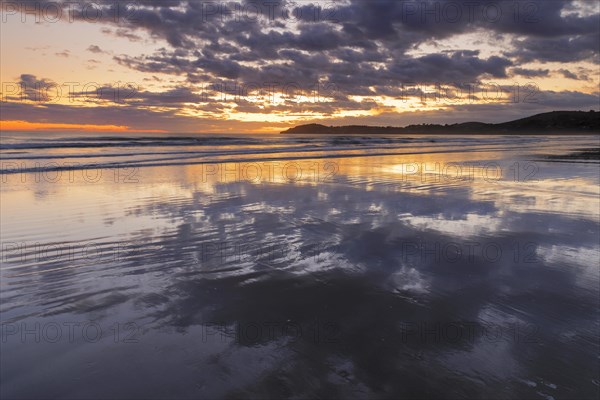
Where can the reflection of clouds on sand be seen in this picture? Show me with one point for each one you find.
(408, 280)
(585, 259)
(472, 226)
(579, 196)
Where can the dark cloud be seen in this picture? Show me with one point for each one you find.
(561, 49)
(223, 34)
(34, 89)
(95, 49)
(123, 33)
(361, 46)
(530, 73)
(569, 99)
(568, 74)
(442, 68)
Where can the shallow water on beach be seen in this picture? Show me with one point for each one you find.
(296, 266)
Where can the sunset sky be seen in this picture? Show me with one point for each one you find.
(265, 65)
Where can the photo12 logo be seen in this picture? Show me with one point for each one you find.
(69, 11)
(451, 332)
(490, 172)
(68, 332)
(269, 172)
(469, 11)
(470, 252)
(248, 332)
(44, 91)
(15, 172)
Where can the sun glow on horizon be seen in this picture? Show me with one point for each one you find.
(44, 127)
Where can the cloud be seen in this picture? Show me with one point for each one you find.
(35, 89)
(356, 39)
(568, 74)
(95, 49)
(143, 109)
(530, 73)
(565, 49)
(361, 48)
(122, 33)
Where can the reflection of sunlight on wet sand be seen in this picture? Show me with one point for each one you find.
(434, 174)
(83, 211)
(202, 183)
(577, 197)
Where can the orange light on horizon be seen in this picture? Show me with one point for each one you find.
(43, 126)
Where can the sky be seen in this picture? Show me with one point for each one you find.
(263, 66)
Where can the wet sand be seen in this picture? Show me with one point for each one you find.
(301, 269)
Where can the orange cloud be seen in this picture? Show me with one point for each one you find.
(42, 126)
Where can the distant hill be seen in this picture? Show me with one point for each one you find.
(555, 122)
